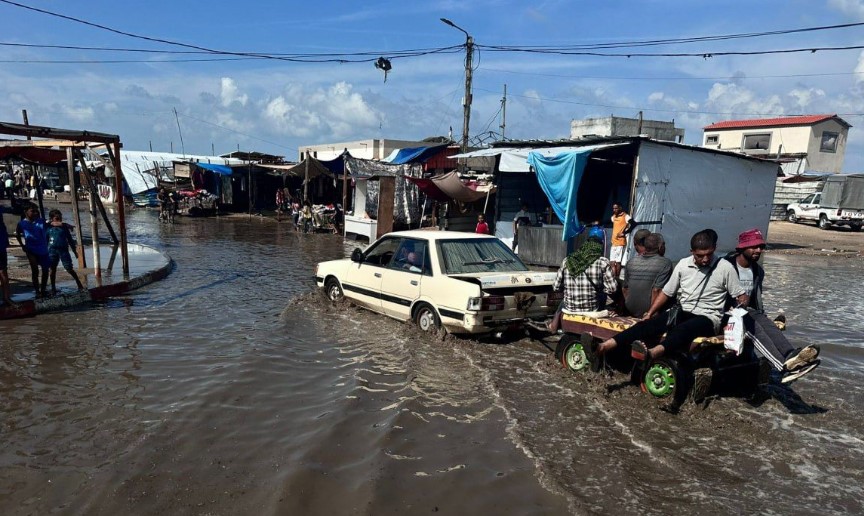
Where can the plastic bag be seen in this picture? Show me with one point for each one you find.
(733, 332)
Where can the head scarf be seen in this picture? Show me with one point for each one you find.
(582, 258)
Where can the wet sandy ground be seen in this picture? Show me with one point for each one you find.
(232, 387)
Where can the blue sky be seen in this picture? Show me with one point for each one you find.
(276, 106)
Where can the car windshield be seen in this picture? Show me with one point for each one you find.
(478, 255)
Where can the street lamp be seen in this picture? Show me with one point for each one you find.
(466, 103)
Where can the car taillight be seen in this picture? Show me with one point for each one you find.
(553, 298)
(486, 304)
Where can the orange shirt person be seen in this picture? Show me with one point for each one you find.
(620, 228)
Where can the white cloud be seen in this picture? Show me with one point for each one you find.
(228, 93)
(656, 96)
(853, 8)
(805, 96)
(336, 112)
(735, 99)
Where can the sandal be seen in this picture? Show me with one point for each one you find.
(639, 352)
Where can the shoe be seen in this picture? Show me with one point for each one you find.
(589, 347)
(639, 351)
(702, 379)
(801, 357)
(798, 373)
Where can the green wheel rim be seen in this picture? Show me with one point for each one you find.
(574, 357)
(660, 380)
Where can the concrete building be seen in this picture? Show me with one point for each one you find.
(620, 126)
(364, 149)
(817, 142)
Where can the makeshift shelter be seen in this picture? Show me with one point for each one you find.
(668, 187)
(382, 194)
(71, 143)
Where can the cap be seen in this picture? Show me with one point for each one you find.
(750, 238)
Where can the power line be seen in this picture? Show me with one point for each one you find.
(238, 132)
(120, 61)
(704, 55)
(635, 108)
(679, 78)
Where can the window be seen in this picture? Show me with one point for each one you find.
(478, 255)
(412, 257)
(807, 200)
(712, 139)
(382, 252)
(829, 142)
(757, 142)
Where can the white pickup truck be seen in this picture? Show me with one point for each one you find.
(812, 208)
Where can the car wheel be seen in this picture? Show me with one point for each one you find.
(791, 217)
(333, 290)
(823, 222)
(572, 353)
(426, 318)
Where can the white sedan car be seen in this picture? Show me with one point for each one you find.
(463, 282)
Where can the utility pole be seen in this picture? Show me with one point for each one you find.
(504, 114)
(466, 101)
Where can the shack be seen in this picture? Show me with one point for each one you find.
(667, 187)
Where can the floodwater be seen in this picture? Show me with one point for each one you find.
(232, 388)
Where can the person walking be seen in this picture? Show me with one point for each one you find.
(60, 241)
(30, 234)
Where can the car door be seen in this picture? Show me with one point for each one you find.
(363, 281)
(402, 280)
(806, 207)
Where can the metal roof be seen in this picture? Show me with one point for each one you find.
(774, 122)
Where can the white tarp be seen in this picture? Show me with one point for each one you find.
(140, 167)
(690, 190)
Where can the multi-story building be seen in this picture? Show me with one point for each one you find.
(364, 149)
(818, 142)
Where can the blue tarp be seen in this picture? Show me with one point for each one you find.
(559, 177)
(415, 154)
(224, 170)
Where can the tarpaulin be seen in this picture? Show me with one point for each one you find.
(559, 177)
(406, 205)
(35, 155)
(224, 170)
(448, 186)
(316, 168)
(415, 154)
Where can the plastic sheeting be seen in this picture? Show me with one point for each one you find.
(140, 168)
(559, 177)
(680, 191)
(449, 186)
(414, 154)
(515, 159)
(844, 191)
(406, 207)
(223, 170)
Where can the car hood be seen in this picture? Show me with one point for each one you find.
(508, 279)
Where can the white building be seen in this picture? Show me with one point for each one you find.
(620, 126)
(364, 149)
(819, 140)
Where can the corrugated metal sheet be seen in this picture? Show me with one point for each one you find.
(542, 245)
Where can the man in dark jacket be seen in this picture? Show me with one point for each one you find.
(767, 338)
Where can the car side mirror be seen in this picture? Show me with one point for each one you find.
(357, 255)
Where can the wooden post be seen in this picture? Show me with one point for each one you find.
(306, 179)
(249, 185)
(94, 231)
(344, 189)
(92, 183)
(386, 200)
(76, 215)
(121, 204)
(26, 120)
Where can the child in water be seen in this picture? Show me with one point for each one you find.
(60, 241)
(30, 234)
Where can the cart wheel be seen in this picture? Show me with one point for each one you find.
(572, 353)
(667, 379)
(333, 290)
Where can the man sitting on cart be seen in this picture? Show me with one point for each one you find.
(701, 283)
(586, 278)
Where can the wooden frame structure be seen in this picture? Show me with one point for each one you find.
(73, 141)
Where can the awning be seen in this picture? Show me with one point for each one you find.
(34, 155)
(224, 170)
(449, 186)
(316, 168)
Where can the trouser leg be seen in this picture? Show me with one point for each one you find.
(642, 330)
(768, 340)
(691, 326)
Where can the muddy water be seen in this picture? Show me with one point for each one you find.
(230, 388)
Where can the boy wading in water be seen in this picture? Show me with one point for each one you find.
(30, 234)
(60, 241)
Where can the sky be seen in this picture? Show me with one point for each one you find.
(277, 106)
